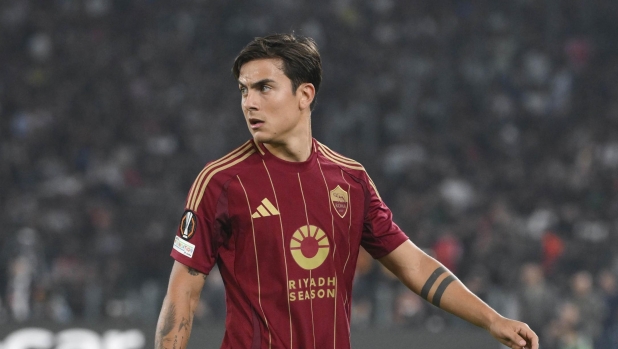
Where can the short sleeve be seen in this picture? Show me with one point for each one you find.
(380, 234)
(200, 233)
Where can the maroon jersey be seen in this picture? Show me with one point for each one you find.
(286, 237)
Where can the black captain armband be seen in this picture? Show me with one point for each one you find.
(437, 296)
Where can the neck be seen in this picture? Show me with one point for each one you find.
(294, 149)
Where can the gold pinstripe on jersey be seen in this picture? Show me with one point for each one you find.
(339, 159)
(206, 175)
(346, 162)
(350, 221)
(302, 192)
(258, 147)
(285, 260)
(198, 181)
(215, 171)
(257, 265)
(332, 217)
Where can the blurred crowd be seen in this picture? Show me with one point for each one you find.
(490, 129)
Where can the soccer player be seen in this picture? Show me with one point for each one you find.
(283, 217)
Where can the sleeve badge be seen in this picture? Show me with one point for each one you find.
(188, 225)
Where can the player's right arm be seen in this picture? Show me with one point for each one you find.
(176, 318)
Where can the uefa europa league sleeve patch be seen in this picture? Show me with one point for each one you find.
(188, 225)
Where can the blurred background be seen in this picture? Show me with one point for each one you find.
(489, 127)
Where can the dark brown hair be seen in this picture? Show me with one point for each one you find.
(299, 55)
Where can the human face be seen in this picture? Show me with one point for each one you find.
(273, 112)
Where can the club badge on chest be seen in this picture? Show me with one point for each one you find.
(340, 200)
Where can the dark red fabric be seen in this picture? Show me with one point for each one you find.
(268, 265)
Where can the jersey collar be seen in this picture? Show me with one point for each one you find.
(288, 166)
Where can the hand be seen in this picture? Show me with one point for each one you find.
(514, 334)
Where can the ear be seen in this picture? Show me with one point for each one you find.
(307, 93)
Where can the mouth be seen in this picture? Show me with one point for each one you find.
(255, 123)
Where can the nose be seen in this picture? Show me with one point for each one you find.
(249, 101)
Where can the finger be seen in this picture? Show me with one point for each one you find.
(516, 341)
(530, 337)
(515, 346)
(509, 342)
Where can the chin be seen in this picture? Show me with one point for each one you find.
(262, 138)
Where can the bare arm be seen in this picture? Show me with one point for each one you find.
(428, 278)
(176, 318)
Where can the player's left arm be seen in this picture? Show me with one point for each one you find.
(433, 282)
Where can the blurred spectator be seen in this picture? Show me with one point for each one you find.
(26, 277)
(565, 332)
(609, 287)
(537, 300)
(589, 303)
(363, 291)
(410, 310)
(448, 251)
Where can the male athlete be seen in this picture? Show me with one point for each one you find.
(283, 217)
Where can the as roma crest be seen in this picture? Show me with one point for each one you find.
(340, 200)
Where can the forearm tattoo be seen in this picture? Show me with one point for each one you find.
(184, 330)
(195, 272)
(169, 322)
(437, 296)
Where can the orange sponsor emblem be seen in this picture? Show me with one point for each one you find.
(340, 200)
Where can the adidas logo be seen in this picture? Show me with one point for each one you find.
(265, 209)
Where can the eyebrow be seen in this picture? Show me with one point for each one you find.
(257, 83)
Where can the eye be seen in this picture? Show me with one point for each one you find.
(243, 90)
(265, 88)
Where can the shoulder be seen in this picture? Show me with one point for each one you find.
(338, 159)
(230, 163)
(217, 172)
(350, 166)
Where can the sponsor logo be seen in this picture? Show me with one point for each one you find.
(340, 200)
(184, 247)
(312, 288)
(188, 225)
(265, 209)
(309, 246)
